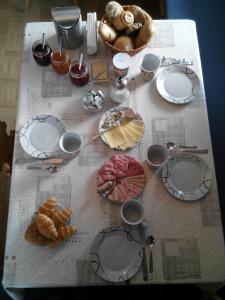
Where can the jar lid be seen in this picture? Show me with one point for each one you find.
(121, 60)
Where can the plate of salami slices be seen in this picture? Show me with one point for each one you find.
(120, 179)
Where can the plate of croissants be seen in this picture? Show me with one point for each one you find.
(50, 225)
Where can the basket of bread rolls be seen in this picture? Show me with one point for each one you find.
(125, 28)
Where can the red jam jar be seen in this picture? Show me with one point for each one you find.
(60, 61)
(41, 54)
(79, 74)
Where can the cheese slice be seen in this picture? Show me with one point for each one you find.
(137, 130)
(115, 137)
(130, 142)
(137, 124)
(136, 135)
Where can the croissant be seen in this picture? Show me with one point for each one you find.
(46, 226)
(61, 217)
(33, 236)
(48, 206)
(65, 232)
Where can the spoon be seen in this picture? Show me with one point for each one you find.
(80, 61)
(43, 41)
(150, 242)
(171, 146)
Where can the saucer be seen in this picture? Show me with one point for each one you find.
(178, 84)
(39, 137)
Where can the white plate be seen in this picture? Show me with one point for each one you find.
(178, 84)
(187, 177)
(39, 137)
(107, 115)
(115, 255)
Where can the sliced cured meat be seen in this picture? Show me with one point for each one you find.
(123, 192)
(105, 186)
(121, 178)
(139, 178)
(114, 194)
(140, 184)
(100, 180)
(131, 189)
(108, 177)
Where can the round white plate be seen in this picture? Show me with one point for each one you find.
(107, 115)
(39, 137)
(178, 84)
(187, 177)
(115, 255)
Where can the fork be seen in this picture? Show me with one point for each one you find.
(115, 124)
(172, 61)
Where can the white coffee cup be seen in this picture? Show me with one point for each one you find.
(132, 212)
(121, 64)
(149, 66)
(70, 143)
(157, 155)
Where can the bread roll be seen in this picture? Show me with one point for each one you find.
(106, 32)
(123, 21)
(124, 43)
(113, 9)
(139, 14)
(144, 35)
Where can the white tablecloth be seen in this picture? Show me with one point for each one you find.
(189, 244)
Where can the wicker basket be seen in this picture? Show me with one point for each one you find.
(115, 50)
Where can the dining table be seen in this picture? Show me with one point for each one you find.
(188, 234)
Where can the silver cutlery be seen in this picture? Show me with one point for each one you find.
(115, 124)
(171, 145)
(144, 265)
(150, 242)
(195, 151)
(171, 61)
(51, 169)
(52, 161)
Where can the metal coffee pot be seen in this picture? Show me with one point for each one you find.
(68, 24)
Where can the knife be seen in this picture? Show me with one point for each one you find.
(53, 161)
(144, 265)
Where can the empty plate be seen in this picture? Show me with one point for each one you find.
(187, 177)
(178, 84)
(115, 255)
(39, 137)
